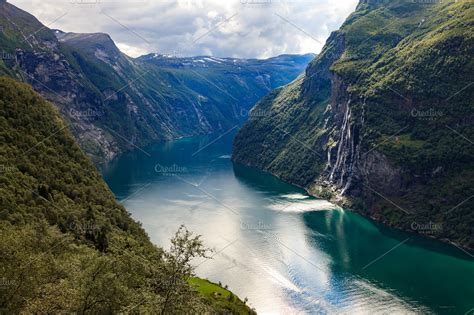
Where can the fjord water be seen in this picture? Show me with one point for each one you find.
(287, 252)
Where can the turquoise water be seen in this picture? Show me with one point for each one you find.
(287, 252)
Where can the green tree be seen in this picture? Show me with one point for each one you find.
(178, 269)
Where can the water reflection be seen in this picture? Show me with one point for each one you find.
(285, 251)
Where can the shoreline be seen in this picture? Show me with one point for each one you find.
(343, 203)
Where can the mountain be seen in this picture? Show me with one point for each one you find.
(67, 245)
(382, 121)
(114, 102)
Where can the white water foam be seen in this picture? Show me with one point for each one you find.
(295, 196)
(280, 279)
(304, 205)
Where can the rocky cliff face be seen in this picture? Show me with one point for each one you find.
(51, 74)
(376, 122)
(114, 103)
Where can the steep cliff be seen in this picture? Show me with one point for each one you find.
(382, 120)
(114, 102)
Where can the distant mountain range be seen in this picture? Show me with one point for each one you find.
(114, 102)
(383, 119)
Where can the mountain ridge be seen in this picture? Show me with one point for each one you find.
(114, 102)
(370, 124)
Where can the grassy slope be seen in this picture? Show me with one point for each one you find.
(67, 245)
(397, 57)
(224, 298)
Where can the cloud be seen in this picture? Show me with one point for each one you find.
(222, 28)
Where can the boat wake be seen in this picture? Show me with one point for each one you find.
(302, 203)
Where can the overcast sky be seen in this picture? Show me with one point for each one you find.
(221, 28)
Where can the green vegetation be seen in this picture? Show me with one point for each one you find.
(67, 245)
(113, 102)
(222, 298)
(387, 104)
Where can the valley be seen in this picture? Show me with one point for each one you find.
(287, 252)
(199, 182)
(115, 103)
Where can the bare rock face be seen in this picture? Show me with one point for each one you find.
(377, 170)
(114, 103)
(318, 74)
(51, 75)
(372, 124)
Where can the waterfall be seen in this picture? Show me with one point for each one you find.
(345, 136)
(342, 172)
